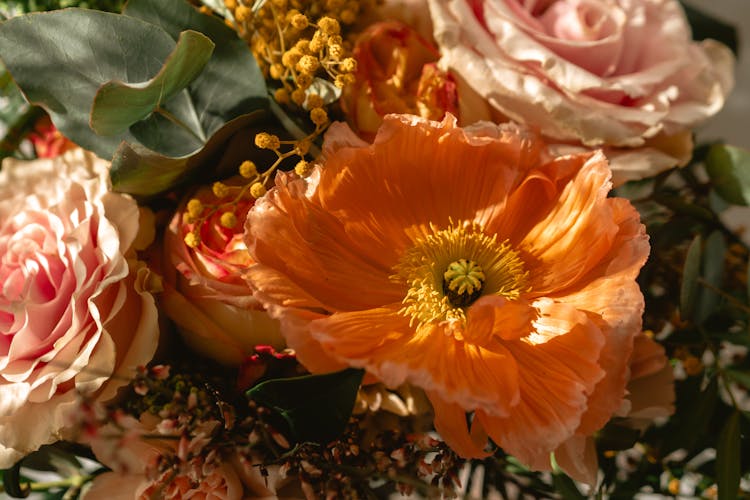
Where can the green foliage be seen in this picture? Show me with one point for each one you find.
(728, 458)
(135, 96)
(315, 407)
(729, 169)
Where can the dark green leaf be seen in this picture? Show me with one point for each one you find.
(728, 458)
(135, 169)
(696, 411)
(316, 407)
(12, 482)
(60, 59)
(118, 105)
(729, 170)
(712, 271)
(690, 273)
(617, 436)
(566, 487)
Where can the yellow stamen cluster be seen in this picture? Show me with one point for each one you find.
(296, 41)
(448, 269)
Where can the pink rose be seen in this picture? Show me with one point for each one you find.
(204, 292)
(76, 315)
(620, 74)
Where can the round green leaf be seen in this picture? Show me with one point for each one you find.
(60, 59)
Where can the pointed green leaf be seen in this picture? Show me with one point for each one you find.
(690, 273)
(60, 59)
(118, 105)
(712, 272)
(316, 407)
(728, 458)
(729, 170)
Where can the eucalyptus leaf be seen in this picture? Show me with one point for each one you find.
(60, 59)
(729, 170)
(690, 273)
(316, 407)
(728, 458)
(138, 170)
(118, 105)
(227, 94)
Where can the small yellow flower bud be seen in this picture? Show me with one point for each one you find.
(230, 4)
(228, 220)
(303, 146)
(349, 65)
(281, 4)
(308, 64)
(248, 169)
(314, 101)
(299, 21)
(303, 168)
(299, 96)
(303, 46)
(204, 9)
(318, 41)
(276, 71)
(281, 95)
(329, 26)
(264, 140)
(344, 79)
(348, 16)
(195, 207)
(192, 240)
(674, 486)
(242, 14)
(319, 116)
(336, 51)
(334, 4)
(335, 40)
(220, 189)
(257, 190)
(304, 80)
(291, 57)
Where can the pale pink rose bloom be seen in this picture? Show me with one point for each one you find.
(650, 397)
(76, 313)
(204, 290)
(624, 75)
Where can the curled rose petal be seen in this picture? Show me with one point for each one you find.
(76, 311)
(620, 75)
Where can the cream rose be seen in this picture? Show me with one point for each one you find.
(76, 315)
(620, 74)
(204, 291)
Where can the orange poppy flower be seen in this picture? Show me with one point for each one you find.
(468, 262)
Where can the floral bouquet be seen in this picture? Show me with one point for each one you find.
(358, 249)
